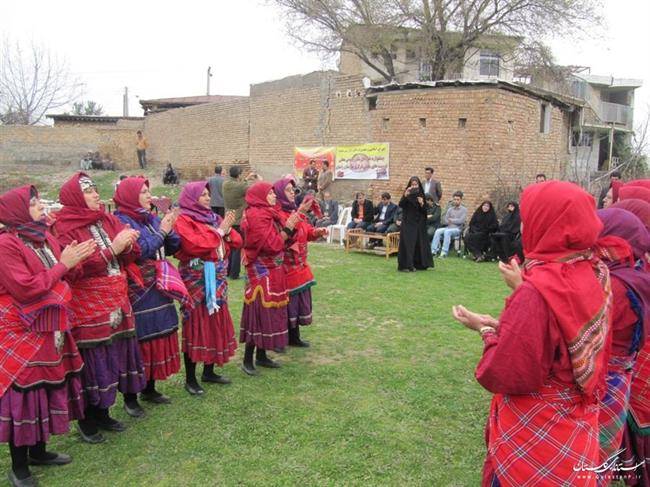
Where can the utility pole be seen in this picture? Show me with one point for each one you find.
(125, 102)
(209, 76)
(611, 147)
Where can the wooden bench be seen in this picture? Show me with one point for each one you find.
(356, 239)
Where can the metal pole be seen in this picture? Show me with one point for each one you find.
(209, 76)
(125, 102)
(611, 147)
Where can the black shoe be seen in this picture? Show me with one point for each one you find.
(16, 482)
(110, 424)
(155, 397)
(215, 379)
(299, 343)
(93, 439)
(249, 369)
(54, 459)
(134, 409)
(280, 350)
(268, 363)
(194, 389)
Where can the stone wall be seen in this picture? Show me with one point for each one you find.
(31, 147)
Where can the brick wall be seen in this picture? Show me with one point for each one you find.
(500, 143)
(29, 146)
(193, 139)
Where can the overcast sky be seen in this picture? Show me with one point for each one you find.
(163, 50)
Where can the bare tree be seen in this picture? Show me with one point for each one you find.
(33, 81)
(443, 30)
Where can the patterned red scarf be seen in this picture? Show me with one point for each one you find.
(15, 216)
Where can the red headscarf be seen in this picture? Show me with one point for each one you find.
(315, 207)
(639, 207)
(259, 217)
(616, 187)
(643, 183)
(75, 212)
(634, 190)
(560, 227)
(15, 216)
(127, 198)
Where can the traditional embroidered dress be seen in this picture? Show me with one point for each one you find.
(208, 331)
(300, 278)
(624, 239)
(264, 316)
(156, 320)
(546, 363)
(40, 388)
(103, 325)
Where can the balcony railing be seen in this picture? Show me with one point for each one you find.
(615, 113)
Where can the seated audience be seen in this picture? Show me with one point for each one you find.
(330, 209)
(86, 162)
(483, 223)
(434, 214)
(107, 163)
(397, 221)
(540, 178)
(507, 241)
(362, 212)
(170, 176)
(455, 217)
(384, 214)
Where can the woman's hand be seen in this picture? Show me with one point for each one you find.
(511, 274)
(305, 206)
(167, 223)
(74, 253)
(126, 238)
(292, 220)
(471, 320)
(227, 222)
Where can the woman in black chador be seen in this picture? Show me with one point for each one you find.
(414, 252)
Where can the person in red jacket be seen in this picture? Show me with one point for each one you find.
(103, 323)
(545, 358)
(40, 389)
(206, 241)
(264, 316)
(300, 278)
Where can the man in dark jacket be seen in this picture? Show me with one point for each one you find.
(330, 210)
(362, 212)
(216, 192)
(384, 215)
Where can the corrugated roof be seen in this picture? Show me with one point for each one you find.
(90, 118)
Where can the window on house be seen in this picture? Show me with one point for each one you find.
(462, 122)
(385, 122)
(545, 118)
(587, 139)
(372, 103)
(410, 54)
(423, 123)
(489, 63)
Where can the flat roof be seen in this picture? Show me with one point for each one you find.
(90, 118)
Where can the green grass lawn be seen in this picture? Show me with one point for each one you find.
(385, 395)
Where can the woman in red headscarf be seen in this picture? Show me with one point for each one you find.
(103, 325)
(264, 317)
(156, 320)
(298, 273)
(544, 359)
(635, 189)
(639, 208)
(206, 241)
(40, 389)
(612, 195)
(624, 240)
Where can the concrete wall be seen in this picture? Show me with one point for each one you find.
(29, 146)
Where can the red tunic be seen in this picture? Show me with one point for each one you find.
(208, 338)
(528, 368)
(298, 273)
(98, 330)
(623, 320)
(24, 278)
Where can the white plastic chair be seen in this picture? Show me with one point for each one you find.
(345, 217)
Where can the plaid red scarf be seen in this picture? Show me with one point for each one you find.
(97, 296)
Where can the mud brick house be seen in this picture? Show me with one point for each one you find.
(477, 135)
